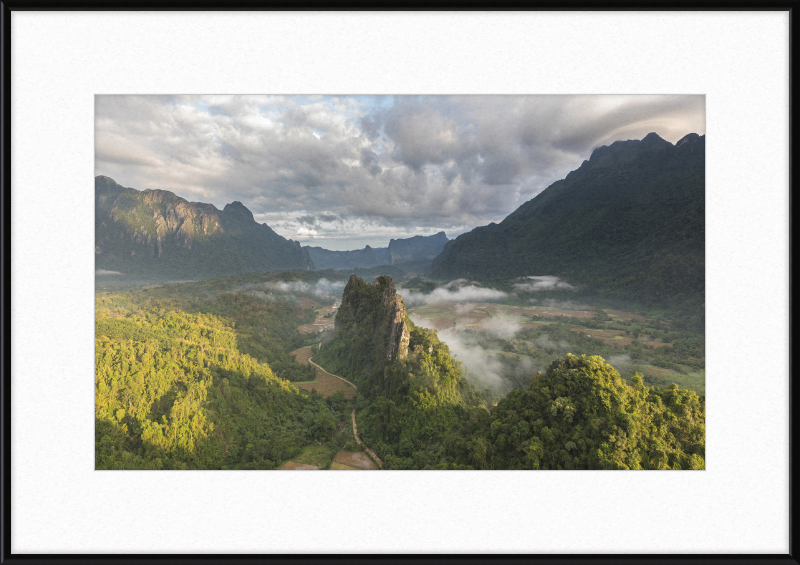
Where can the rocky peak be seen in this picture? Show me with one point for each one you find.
(236, 208)
(688, 138)
(652, 138)
(377, 313)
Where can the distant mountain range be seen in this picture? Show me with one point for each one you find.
(155, 233)
(630, 220)
(417, 248)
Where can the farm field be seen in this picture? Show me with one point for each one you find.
(324, 383)
(483, 316)
(309, 459)
(320, 323)
(356, 461)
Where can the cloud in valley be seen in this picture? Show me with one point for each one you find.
(458, 290)
(282, 290)
(536, 283)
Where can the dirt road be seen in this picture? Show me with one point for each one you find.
(353, 415)
(358, 439)
(332, 375)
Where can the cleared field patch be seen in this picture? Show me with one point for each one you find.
(626, 316)
(553, 312)
(323, 383)
(292, 466)
(695, 381)
(356, 460)
(512, 318)
(339, 467)
(611, 337)
(308, 303)
(657, 344)
(303, 354)
(327, 385)
(321, 322)
(309, 458)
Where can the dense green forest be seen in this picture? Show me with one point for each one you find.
(196, 377)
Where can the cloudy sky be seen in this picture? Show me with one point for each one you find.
(341, 172)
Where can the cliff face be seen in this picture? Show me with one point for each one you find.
(374, 317)
(156, 233)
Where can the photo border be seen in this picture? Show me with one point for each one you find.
(78, 293)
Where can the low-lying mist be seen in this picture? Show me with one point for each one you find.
(543, 282)
(459, 290)
(292, 291)
(483, 367)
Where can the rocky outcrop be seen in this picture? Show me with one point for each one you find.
(374, 316)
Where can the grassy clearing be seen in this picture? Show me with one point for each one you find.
(302, 355)
(311, 456)
(339, 467)
(512, 318)
(326, 385)
(695, 381)
(356, 460)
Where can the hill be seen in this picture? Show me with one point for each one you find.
(417, 248)
(630, 221)
(418, 411)
(154, 233)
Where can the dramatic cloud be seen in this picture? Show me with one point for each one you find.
(345, 171)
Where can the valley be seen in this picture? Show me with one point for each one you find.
(514, 335)
(220, 344)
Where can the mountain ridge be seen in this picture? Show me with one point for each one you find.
(630, 219)
(157, 233)
(416, 248)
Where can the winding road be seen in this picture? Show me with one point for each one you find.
(353, 415)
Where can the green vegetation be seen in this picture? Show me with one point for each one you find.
(580, 414)
(186, 378)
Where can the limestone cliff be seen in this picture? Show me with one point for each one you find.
(155, 233)
(375, 311)
(371, 332)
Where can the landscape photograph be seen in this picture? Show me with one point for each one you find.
(381, 282)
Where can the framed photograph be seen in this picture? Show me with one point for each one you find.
(476, 243)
